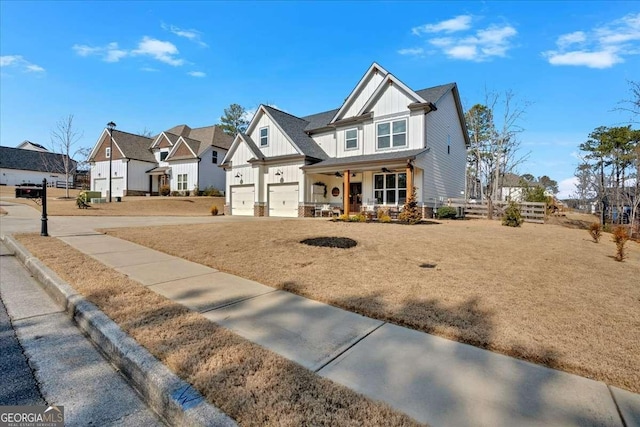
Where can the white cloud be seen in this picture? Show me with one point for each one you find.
(193, 35)
(459, 23)
(159, 50)
(416, 51)
(197, 74)
(567, 187)
(149, 69)
(602, 47)
(109, 53)
(478, 45)
(18, 61)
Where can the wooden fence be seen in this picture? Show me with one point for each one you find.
(531, 211)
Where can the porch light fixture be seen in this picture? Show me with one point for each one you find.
(111, 126)
(238, 175)
(279, 172)
(385, 170)
(353, 175)
(338, 175)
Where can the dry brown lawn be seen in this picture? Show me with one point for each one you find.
(253, 385)
(543, 293)
(130, 206)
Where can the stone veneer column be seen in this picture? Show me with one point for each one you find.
(305, 211)
(260, 209)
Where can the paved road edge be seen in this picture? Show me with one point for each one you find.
(163, 391)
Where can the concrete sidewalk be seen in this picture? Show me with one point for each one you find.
(434, 380)
(63, 367)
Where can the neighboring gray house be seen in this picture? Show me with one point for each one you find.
(384, 139)
(21, 166)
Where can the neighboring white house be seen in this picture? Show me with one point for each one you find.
(22, 166)
(28, 145)
(384, 139)
(181, 158)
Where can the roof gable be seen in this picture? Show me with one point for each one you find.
(373, 70)
(242, 138)
(389, 81)
(185, 148)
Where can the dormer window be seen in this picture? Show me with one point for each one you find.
(351, 139)
(163, 155)
(264, 136)
(107, 152)
(392, 134)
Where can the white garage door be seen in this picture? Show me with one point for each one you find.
(283, 200)
(101, 185)
(242, 200)
(117, 186)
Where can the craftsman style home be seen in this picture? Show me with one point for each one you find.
(181, 158)
(383, 140)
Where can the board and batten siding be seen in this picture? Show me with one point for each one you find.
(279, 145)
(444, 175)
(210, 175)
(189, 167)
(239, 164)
(137, 178)
(372, 82)
(326, 141)
(101, 170)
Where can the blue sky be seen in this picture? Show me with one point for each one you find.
(152, 65)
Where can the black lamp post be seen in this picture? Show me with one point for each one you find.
(111, 126)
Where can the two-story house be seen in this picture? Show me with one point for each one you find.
(181, 158)
(383, 140)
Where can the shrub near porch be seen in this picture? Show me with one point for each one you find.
(543, 293)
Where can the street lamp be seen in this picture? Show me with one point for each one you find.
(111, 126)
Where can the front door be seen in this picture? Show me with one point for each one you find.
(355, 196)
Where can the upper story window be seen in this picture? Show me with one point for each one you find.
(392, 134)
(107, 152)
(163, 155)
(214, 157)
(351, 139)
(264, 136)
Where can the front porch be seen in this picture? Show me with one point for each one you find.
(357, 186)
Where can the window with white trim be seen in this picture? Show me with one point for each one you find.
(107, 152)
(390, 188)
(182, 181)
(214, 157)
(351, 139)
(163, 155)
(264, 136)
(392, 134)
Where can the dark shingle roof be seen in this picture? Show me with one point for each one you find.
(180, 130)
(252, 146)
(17, 158)
(319, 120)
(433, 94)
(394, 155)
(134, 146)
(295, 128)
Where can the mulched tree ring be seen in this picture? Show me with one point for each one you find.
(427, 265)
(331, 242)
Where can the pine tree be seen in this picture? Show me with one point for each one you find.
(234, 120)
(411, 212)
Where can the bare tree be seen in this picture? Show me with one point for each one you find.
(632, 105)
(63, 141)
(497, 152)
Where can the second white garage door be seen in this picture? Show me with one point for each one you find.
(283, 200)
(242, 200)
(101, 185)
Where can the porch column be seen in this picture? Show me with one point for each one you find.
(345, 193)
(409, 179)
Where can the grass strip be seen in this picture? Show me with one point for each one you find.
(253, 385)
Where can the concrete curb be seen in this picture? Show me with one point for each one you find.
(163, 391)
